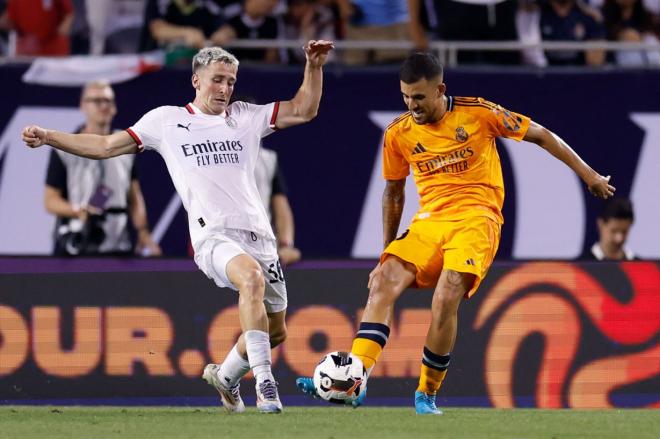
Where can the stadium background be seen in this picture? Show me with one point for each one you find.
(331, 164)
(546, 334)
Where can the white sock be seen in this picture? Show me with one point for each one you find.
(257, 344)
(233, 368)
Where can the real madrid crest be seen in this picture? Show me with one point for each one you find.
(461, 134)
(231, 122)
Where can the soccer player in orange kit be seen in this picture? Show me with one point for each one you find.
(449, 143)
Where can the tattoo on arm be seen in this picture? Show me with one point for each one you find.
(393, 201)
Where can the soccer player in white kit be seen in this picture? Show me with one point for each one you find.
(210, 149)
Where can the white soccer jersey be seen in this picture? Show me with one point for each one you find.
(211, 160)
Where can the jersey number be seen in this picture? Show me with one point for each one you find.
(275, 271)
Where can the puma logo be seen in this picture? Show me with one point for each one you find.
(187, 127)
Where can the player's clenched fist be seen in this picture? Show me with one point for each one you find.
(34, 136)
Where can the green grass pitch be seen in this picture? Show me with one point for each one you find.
(324, 423)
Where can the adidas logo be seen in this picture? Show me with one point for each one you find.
(470, 262)
(419, 148)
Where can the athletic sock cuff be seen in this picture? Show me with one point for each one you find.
(435, 361)
(374, 331)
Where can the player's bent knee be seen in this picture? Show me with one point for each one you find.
(251, 279)
(386, 286)
(389, 274)
(387, 281)
(252, 290)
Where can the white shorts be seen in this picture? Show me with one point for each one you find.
(216, 252)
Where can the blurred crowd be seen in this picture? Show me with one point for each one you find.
(64, 27)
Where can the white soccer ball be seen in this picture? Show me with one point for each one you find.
(340, 377)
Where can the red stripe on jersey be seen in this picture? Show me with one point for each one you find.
(273, 118)
(190, 109)
(135, 138)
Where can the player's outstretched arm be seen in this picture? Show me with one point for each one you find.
(598, 185)
(305, 104)
(91, 146)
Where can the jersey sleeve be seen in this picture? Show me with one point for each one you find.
(148, 131)
(395, 166)
(263, 117)
(506, 123)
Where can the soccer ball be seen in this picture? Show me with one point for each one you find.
(340, 377)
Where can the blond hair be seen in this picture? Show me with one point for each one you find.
(209, 55)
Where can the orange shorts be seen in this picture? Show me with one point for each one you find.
(466, 246)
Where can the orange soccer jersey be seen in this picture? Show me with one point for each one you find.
(455, 163)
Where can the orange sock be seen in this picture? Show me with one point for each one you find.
(366, 350)
(430, 380)
(434, 369)
(369, 343)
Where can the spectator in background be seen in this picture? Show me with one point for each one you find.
(187, 23)
(93, 199)
(423, 23)
(272, 189)
(528, 19)
(307, 20)
(375, 20)
(79, 36)
(255, 22)
(466, 20)
(568, 20)
(614, 223)
(628, 20)
(42, 27)
(114, 26)
(336, 7)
